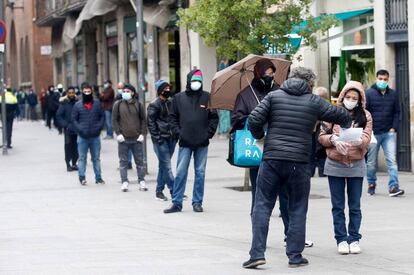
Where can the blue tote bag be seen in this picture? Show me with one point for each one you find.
(247, 152)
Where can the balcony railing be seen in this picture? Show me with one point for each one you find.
(52, 11)
(396, 18)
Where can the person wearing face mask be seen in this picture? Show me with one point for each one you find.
(88, 119)
(345, 167)
(248, 99)
(384, 105)
(107, 99)
(64, 119)
(129, 124)
(163, 138)
(52, 105)
(289, 115)
(195, 125)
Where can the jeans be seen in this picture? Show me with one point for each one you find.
(388, 141)
(353, 187)
(253, 172)
(108, 123)
(164, 152)
(200, 162)
(137, 151)
(22, 111)
(94, 145)
(274, 175)
(71, 149)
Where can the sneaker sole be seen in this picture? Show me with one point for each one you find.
(298, 265)
(255, 264)
(355, 252)
(343, 253)
(158, 199)
(399, 193)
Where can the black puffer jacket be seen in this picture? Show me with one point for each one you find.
(291, 113)
(191, 119)
(158, 120)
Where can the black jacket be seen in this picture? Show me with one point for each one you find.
(52, 101)
(291, 113)
(191, 119)
(88, 124)
(384, 109)
(159, 124)
(245, 104)
(32, 99)
(64, 116)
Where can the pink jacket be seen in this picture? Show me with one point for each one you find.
(355, 152)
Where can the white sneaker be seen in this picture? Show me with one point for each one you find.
(343, 248)
(354, 248)
(142, 186)
(124, 186)
(308, 243)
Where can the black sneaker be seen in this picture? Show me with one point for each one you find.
(185, 197)
(371, 188)
(173, 209)
(75, 167)
(197, 208)
(395, 191)
(160, 196)
(254, 263)
(100, 181)
(302, 262)
(129, 165)
(69, 168)
(82, 181)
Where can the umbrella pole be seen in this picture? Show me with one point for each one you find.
(246, 186)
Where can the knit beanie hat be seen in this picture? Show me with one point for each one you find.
(261, 67)
(160, 85)
(197, 76)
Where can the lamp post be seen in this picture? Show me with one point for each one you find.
(140, 64)
(2, 79)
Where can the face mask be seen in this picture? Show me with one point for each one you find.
(126, 96)
(350, 105)
(268, 82)
(195, 85)
(106, 86)
(87, 98)
(382, 84)
(120, 91)
(166, 94)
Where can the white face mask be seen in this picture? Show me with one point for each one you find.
(195, 85)
(350, 105)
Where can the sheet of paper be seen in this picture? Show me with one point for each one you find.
(351, 134)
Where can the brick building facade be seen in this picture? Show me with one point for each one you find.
(28, 51)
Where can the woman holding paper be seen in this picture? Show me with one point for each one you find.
(345, 166)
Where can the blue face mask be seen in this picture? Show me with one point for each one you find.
(126, 96)
(382, 85)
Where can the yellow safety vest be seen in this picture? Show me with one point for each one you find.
(10, 98)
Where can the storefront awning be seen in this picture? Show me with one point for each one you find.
(342, 16)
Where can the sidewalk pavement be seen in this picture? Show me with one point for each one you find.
(50, 224)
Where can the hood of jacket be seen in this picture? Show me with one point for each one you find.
(296, 87)
(352, 85)
(188, 86)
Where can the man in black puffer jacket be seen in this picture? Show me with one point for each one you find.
(196, 124)
(64, 120)
(163, 138)
(290, 113)
(88, 118)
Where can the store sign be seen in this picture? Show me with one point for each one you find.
(46, 50)
(111, 29)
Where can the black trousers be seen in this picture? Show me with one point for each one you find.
(9, 130)
(52, 115)
(71, 149)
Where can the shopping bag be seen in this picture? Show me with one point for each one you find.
(244, 150)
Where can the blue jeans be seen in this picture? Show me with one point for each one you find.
(94, 145)
(108, 123)
(388, 141)
(274, 176)
(200, 162)
(353, 187)
(22, 111)
(164, 152)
